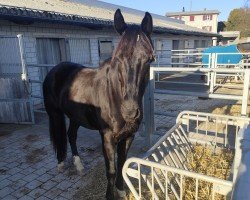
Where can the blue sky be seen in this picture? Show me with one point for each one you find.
(162, 6)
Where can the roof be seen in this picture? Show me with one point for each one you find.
(230, 33)
(170, 14)
(89, 13)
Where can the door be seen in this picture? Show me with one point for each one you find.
(15, 103)
(105, 49)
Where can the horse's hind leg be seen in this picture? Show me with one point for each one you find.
(72, 135)
(58, 136)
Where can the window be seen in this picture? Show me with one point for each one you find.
(50, 51)
(80, 50)
(197, 44)
(192, 18)
(105, 49)
(179, 44)
(204, 43)
(207, 17)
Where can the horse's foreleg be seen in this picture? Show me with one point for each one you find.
(122, 151)
(72, 135)
(108, 147)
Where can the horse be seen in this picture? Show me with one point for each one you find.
(107, 99)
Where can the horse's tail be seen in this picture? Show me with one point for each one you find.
(58, 134)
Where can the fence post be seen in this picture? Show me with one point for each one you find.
(212, 81)
(24, 76)
(149, 108)
(245, 95)
(23, 61)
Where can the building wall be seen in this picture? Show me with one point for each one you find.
(45, 30)
(199, 22)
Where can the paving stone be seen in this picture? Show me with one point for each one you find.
(14, 171)
(53, 193)
(43, 198)
(5, 183)
(30, 177)
(13, 164)
(5, 191)
(36, 193)
(21, 192)
(18, 184)
(40, 171)
(45, 177)
(26, 197)
(9, 197)
(33, 184)
(58, 178)
(4, 176)
(16, 177)
(49, 184)
(28, 171)
(64, 185)
(68, 194)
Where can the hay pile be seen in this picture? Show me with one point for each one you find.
(208, 161)
(203, 160)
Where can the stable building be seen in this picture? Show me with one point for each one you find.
(78, 31)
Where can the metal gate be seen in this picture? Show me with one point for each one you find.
(15, 101)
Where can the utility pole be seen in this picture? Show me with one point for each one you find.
(191, 4)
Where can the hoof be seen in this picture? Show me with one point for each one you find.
(60, 167)
(78, 164)
(122, 194)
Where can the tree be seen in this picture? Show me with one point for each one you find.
(221, 26)
(239, 20)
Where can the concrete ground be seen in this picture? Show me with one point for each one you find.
(28, 164)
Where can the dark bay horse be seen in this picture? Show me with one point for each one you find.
(108, 99)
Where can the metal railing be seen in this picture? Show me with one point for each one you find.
(163, 171)
(179, 58)
(211, 93)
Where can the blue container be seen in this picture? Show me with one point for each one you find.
(223, 59)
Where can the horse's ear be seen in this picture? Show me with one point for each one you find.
(120, 25)
(147, 24)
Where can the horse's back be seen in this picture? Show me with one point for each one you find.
(57, 79)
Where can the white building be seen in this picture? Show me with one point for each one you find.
(81, 32)
(206, 19)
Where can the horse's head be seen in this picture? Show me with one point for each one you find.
(132, 59)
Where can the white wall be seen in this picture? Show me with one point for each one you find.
(31, 32)
(199, 22)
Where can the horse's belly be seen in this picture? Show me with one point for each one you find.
(84, 115)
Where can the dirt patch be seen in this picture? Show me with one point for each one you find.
(35, 155)
(95, 184)
(4, 133)
(3, 171)
(7, 129)
(32, 138)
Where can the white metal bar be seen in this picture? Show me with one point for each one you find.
(177, 171)
(183, 69)
(245, 96)
(199, 94)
